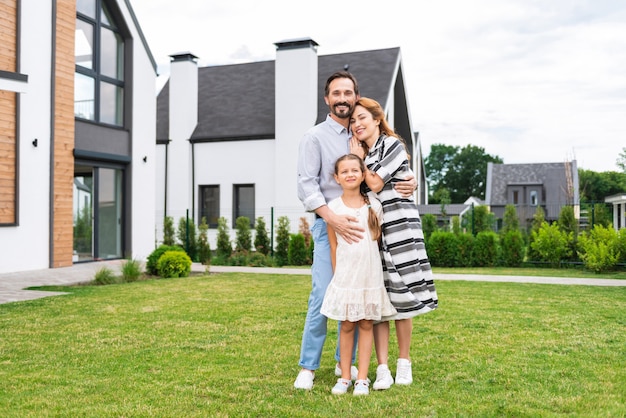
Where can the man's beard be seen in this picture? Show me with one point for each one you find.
(342, 114)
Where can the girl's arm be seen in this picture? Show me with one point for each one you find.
(374, 181)
(332, 241)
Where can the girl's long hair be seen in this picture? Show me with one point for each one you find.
(372, 218)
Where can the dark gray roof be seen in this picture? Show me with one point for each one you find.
(238, 101)
(551, 176)
(453, 209)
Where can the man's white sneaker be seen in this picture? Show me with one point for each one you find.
(341, 387)
(384, 380)
(304, 380)
(404, 374)
(361, 387)
(354, 372)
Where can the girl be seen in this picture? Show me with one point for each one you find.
(356, 295)
(407, 271)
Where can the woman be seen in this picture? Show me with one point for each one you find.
(407, 271)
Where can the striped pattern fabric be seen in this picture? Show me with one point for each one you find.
(407, 271)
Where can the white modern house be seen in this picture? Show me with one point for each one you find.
(77, 153)
(228, 136)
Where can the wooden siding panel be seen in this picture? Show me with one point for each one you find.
(8, 157)
(63, 165)
(8, 35)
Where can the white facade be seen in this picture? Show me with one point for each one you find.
(25, 246)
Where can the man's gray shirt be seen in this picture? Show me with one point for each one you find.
(320, 148)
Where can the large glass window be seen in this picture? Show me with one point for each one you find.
(209, 205)
(243, 205)
(99, 55)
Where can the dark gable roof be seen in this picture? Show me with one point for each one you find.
(238, 101)
(551, 176)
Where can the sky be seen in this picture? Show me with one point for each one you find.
(529, 81)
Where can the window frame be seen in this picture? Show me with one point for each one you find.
(202, 211)
(94, 73)
(237, 212)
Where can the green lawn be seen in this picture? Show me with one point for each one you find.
(228, 345)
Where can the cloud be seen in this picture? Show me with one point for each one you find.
(528, 80)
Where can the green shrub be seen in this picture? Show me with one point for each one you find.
(567, 223)
(187, 237)
(168, 231)
(297, 254)
(238, 258)
(243, 237)
(485, 249)
(105, 276)
(465, 243)
(281, 255)
(429, 225)
(204, 250)
(257, 259)
(538, 219)
(224, 247)
(483, 219)
(551, 244)
(600, 249)
(261, 239)
(131, 270)
(510, 221)
(153, 258)
(174, 264)
(512, 248)
(443, 249)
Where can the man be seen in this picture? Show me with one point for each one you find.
(320, 147)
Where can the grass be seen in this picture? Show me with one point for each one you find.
(619, 274)
(228, 345)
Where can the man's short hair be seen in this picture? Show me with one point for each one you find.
(341, 74)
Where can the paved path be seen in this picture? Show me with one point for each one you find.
(12, 285)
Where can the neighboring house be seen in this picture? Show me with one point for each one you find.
(462, 210)
(228, 135)
(78, 108)
(528, 186)
(619, 210)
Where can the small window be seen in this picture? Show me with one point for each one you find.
(243, 205)
(515, 197)
(209, 205)
(533, 198)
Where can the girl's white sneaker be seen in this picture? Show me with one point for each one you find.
(404, 374)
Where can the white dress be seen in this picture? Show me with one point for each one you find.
(357, 289)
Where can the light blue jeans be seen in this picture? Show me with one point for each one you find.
(316, 324)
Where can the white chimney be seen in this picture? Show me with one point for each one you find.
(183, 114)
(296, 111)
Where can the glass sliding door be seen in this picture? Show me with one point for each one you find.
(109, 213)
(98, 210)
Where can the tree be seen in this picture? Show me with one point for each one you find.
(261, 240)
(621, 160)
(594, 186)
(168, 231)
(243, 238)
(437, 163)
(187, 236)
(224, 247)
(467, 173)
(462, 171)
(282, 241)
(510, 222)
(204, 249)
